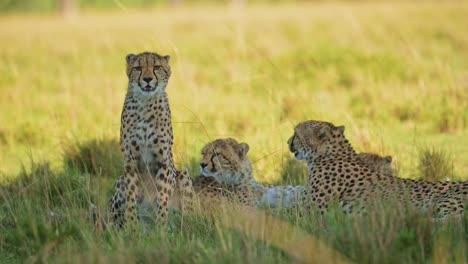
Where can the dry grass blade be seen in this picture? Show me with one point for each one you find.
(299, 245)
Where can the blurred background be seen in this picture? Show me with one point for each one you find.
(395, 73)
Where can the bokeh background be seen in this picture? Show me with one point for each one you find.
(394, 73)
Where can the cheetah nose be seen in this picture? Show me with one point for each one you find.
(147, 79)
(203, 165)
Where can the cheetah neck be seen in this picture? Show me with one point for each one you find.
(246, 177)
(242, 180)
(340, 149)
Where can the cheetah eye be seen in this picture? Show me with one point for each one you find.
(157, 67)
(137, 68)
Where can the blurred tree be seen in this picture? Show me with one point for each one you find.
(67, 7)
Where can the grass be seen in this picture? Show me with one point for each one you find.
(435, 165)
(393, 73)
(46, 218)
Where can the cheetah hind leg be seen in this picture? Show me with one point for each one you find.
(448, 207)
(186, 192)
(452, 203)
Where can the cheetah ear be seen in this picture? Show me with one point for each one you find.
(167, 57)
(323, 133)
(388, 159)
(130, 57)
(340, 129)
(243, 148)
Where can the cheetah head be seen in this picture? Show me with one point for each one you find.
(315, 138)
(148, 73)
(377, 163)
(226, 160)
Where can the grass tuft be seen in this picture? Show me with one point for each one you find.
(97, 157)
(435, 164)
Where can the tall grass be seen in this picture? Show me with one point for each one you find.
(435, 165)
(45, 217)
(267, 69)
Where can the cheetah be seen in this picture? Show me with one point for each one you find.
(226, 170)
(146, 141)
(376, 162)
(235, 177)
(337, 176)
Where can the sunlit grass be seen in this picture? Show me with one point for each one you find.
(45, 216)
(249, 74)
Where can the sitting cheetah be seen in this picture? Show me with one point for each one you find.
(337, 175)
(146, 141)
(227, 171)
(376, 162)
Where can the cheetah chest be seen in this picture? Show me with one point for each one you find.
(149, 134)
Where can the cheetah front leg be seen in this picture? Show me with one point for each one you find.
(164, 181)
(131, 183)
(317, 197)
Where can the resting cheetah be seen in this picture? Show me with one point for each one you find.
(234, 177)
(146, 141)
(337, 175)
(227, 170)
(376, 162)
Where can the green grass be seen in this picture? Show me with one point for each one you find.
(30, 233)
(393, 73)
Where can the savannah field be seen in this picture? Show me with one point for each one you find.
(394, 74)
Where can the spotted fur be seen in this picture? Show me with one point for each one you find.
(336, 175)
(146, 141)
(227, 172)
(376, 162)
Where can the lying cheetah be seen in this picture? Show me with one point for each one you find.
(376, 162)
(227, 175)
(146, 141)
(227, 171)
(337, 175)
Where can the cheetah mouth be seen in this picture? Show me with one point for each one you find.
(148, 88)
(205, 173)
(293, 150)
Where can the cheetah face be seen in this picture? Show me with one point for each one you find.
(296, 146)
(225, 160)
(148, 73)
(377, 163)
(313, 138)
